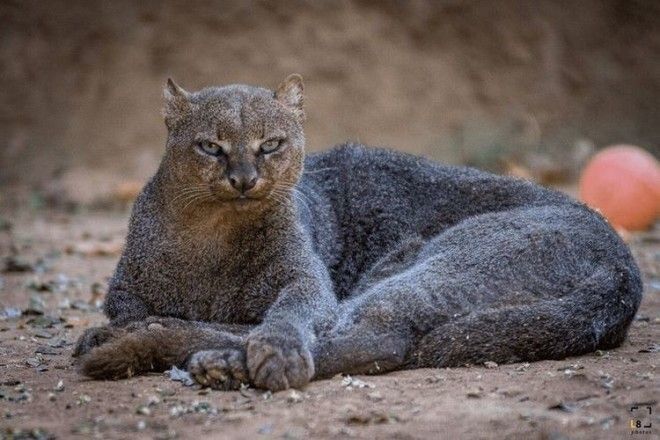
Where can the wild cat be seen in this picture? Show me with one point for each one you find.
(246, 262)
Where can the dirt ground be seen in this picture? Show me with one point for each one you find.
(56, 267)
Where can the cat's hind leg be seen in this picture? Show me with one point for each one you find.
(526, 284)
(596, 315)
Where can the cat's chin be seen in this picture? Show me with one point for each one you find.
(244, 203)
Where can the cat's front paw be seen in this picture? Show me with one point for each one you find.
(93, 337)
(277, 361)
(222, 369)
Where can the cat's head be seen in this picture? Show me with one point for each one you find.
(236, 145)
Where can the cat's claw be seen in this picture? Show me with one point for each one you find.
(219, 369)
(276, 362)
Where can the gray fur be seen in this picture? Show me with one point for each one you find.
(367, 261)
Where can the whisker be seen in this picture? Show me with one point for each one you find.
(305, 196)
(195, 198)
(183, 199)
(279, 198)
(295, 188)
(187, 191)
(320, 170)
(296, 194)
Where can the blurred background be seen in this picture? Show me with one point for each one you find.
(530, 88)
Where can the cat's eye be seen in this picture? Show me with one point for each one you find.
(210, 148)
(270, 146)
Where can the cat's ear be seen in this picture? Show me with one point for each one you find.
(177, 103)
(290, 93)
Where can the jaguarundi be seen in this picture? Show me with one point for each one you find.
(247, 262)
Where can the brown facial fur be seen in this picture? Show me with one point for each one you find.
(239, 119)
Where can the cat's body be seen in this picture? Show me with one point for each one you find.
(372, 261)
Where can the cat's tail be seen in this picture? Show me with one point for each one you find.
(151, 349)
(595, 316)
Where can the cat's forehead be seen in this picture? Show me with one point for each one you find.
(236, 108)
(232, 97)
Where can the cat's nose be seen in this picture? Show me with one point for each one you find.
(243, 182)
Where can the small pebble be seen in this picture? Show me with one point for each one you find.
(33, 361)
(352, 382)
(143, 410)
(294, 397)
(59, 387)
(476, 393)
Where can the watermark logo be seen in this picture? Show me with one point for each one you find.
(640, 419)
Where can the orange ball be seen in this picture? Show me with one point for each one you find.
(623, 183)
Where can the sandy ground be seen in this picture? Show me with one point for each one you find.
(67, 258)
